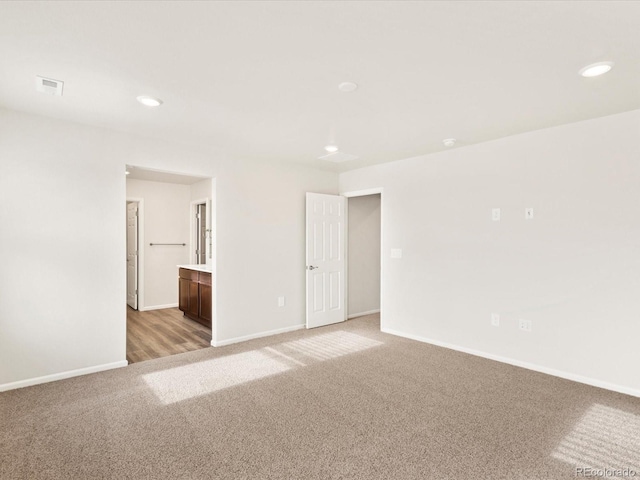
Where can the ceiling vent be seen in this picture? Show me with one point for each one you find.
(49, 86)
(338, 157)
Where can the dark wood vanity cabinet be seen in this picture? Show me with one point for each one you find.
(204, 294)
(194, 295)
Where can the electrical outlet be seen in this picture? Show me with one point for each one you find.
(495, 319)
(524, 325)
(495, 214)
(281, 301)
(528, 213)
(396, 253)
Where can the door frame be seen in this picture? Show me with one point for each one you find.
(364, 193)
(140, 202)
(192, 227)
(213, 244)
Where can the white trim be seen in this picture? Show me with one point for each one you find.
(529, 366)
(222, 343)
(354, 315)
(213, 260)
(345, 289)
(61, 376)
(362, 193)
(158, 307)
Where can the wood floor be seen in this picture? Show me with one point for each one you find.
(159, 333)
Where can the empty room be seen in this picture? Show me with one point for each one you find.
(362, 240)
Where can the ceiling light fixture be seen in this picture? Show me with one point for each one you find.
(149, 101)
(449, 142)
(331, 148)
(348, 87)
(596, 69)
(127, 172)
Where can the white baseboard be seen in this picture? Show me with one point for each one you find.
(529, 366)
(361, 314)
(158, 307)
(61, 376)
(222, 343)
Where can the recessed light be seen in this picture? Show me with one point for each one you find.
(149, 101)
(348, 86)
(596, 69)
(331, 148)
(449, 142)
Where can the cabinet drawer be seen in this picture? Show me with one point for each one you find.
(188, 274)
(205, 278)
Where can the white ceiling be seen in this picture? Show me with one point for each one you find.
(259, 79)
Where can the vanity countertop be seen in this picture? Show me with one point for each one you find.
(199, 268)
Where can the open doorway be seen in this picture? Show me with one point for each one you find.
(364, 259)
(173, 236)
(365, 244)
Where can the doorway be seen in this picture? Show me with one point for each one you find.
(364, 254)
(175, 232)
(343, 285)
(370, 237)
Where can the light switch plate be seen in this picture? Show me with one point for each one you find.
(495, 319)
(495, 214)
(281, 301)
(396, 253)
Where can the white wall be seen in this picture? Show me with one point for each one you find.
(364, 254)
(201, 190)
(261, 246)
(574, 270)
(166, 220)
(63, 276)
(63, 281)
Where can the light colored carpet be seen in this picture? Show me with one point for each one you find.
(339, 402)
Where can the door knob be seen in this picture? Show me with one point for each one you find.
(311, 267)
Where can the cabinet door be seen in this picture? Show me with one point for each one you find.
(205, 304)
(193, 300)
(183, 294)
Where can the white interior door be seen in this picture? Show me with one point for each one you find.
(132, 255)
(326, 264)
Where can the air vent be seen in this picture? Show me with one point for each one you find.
(49, 86)
(338, 157)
